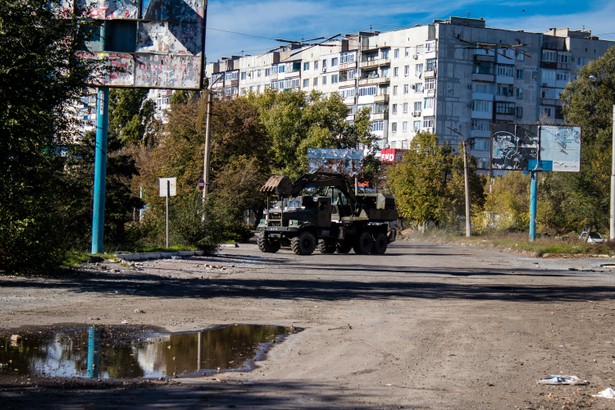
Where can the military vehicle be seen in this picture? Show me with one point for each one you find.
(322, 210)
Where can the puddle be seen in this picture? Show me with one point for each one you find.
(118, 352)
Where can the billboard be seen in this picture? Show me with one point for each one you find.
(145, 43)
(391, 155)
(554, 147)
(344, 161)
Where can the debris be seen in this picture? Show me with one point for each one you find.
(606, 393)
(139, 311)
(562, 379)
(15, 339)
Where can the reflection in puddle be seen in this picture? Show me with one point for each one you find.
(113, 352)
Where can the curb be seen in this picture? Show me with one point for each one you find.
(156, 255)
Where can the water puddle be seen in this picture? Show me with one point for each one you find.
(118, 352)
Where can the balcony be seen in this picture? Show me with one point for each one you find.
(381, 98)
(374, 80)
(483, 77)
(384, 115)
(374, 62)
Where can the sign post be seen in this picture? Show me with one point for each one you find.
(167, 188)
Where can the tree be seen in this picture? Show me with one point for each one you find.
(428, 183)
(38, 76)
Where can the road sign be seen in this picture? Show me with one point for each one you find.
(201, 184)
(167, 186)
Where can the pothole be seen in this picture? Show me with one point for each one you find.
(120, 352)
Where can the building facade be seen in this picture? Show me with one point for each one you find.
(454, 77)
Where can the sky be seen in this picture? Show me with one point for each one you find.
(248, 27)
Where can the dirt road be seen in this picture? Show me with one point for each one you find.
(428, 326)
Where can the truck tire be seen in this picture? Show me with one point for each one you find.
(380, 244)
(363, 244)
(326, 246)
(304, 244)
(343, 247)
(265, 245)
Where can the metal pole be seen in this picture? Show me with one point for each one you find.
(533, 204)
(206, 153)
(467, 190)
(167, 213)
(612, 217)
(100, 170)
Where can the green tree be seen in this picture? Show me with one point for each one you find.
(428, 183)
(38, 76)
(588, 103)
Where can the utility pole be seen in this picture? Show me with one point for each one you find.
(466, 183)
(612, 217)
(206, 153)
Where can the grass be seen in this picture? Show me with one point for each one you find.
(517, 241)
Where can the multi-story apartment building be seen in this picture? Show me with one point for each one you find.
(454, 77)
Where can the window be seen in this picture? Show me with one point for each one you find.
(430, 84)
(418, 70)
(393, 127)
(404, 126)
(405, 108)
(347, 58)
(306, 83)
(428, 103)
(416, 125)
(315, 82)
(482, 106)
(315, 65)
(396, 72)
(407, 70)
(520, 93)
(395, 90)
(428, 122)
(418, 87)
(549, 56)
(371, 90)
(564, 58)
(306, 66)
(505, 70)
(378, 125)
(394, 109)
(481, 125)
(243, 75)
(407, 51)
(548, 75)
(396, 53)
(418, 106)
(483, 67)
(430, 64)
(334, 61)
(384, 54)
(324, 63)
(324, 80)
(281, 68)
(506, 108)
(347, 92)
(562, 76)
(334, 79)
(406, 88)
(505, 90)
(519, 74)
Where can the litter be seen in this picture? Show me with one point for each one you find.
(562, 379)
(606, 393)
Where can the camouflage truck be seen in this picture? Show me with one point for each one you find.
(322, 210)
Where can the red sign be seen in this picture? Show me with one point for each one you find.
(391, 155)
(201, 184)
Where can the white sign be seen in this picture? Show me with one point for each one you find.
(167, 185)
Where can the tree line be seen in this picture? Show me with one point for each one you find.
(45, 206)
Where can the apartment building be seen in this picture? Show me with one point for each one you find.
(454, 77)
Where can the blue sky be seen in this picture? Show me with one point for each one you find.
(236, 27)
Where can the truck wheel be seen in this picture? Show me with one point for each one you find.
(304, 244)
(326, 246)
(363, 244)
(343, 247)
(380, 244)
(265, 245)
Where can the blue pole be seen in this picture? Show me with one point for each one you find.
(533, 204)
(92, 353)
(100, 170)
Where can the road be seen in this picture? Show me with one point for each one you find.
(425, 326)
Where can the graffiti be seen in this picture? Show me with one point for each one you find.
(512, 146)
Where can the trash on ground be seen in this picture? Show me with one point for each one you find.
(562, 379)
(606, 393)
